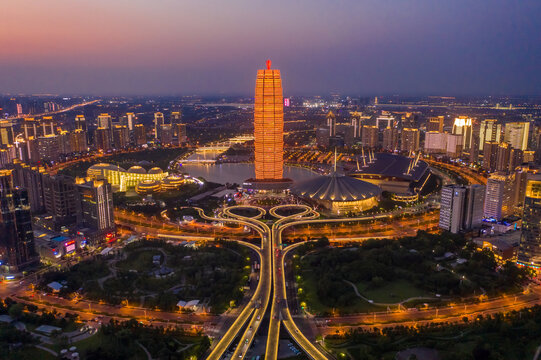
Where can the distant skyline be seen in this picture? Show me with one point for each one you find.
(214, 47)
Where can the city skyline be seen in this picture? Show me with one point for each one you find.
(420, 47)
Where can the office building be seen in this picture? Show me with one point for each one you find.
(500, 196)
(490, 131)
(453, 200)
(529, 253)
(158, 122)
(60, 201)
(331, 123)
(435, 142)
(463, 126)
(409, 140)
(7, 136)
(455, 145)
(435, 124)
(30, 179)
(17, 249)
(461, 207)
(516, 134)
(96, 204)
(269, 125)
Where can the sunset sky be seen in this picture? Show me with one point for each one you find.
(358, 47)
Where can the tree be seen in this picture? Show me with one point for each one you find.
(16, 310)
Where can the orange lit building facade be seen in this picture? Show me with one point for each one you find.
(269, 125)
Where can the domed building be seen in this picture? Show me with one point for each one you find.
(148, 187)
(172, 182)
(122, 180)
(155, 170)
(338, 193)
(137, 170)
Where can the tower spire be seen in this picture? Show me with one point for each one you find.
(335, 159)
(268, 64)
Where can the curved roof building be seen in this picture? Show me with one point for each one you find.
(393, 173)
(341, 194)
(155, 170)
(137, 170)
(147, 187)
(120, 179)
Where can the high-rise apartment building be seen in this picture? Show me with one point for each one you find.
(166, 134)
(139, 134)
(502, 157)
(105, 121)
(17, 249)
(48, 147)
(180, 133)
(530, 242)
(269, 125)
(390, 139)
(490, 155)
(102, 139)
(80, 123)
(409, 140)
(78, 141)
(131, 121)
(121, 136)
(369, 137)
(517, 134)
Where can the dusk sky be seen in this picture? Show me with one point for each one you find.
(357, 47)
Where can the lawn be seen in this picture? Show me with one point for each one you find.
(391, 292)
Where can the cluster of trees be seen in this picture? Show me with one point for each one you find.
(119, 340)
(377, 262)
(511, 336)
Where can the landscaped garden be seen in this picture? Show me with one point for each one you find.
(156, 274)
(513, 336)
(411, 271)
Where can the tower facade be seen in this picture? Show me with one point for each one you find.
(269, 125)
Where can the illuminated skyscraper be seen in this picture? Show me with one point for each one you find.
(530, 242)
(269, 125)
